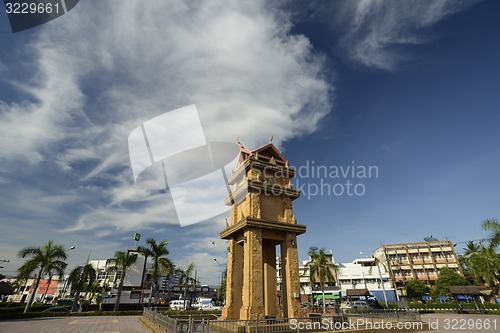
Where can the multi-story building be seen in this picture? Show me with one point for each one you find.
(364, 274)
(45, 292)
(359, 274)
(417, 261)
(109, 280)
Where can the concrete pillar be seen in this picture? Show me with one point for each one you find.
(284, 284)
(291, 279)
(234, 281)
(253, 277)
(270, 286)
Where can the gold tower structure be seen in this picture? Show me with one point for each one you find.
(261, 219)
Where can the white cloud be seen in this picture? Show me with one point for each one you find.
(104, 68)
(369, 31)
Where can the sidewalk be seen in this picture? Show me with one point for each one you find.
(104, 324)
(454, 322)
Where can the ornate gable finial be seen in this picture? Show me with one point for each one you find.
(271, 139)
(238, 140)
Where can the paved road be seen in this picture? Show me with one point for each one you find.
(104, 324)
(454, 322)
(439, 322)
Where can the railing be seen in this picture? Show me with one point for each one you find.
(395, 315)
(317, 322)
(168, 323)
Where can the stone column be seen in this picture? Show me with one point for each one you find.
(253, 291)
(270, 286)
(291, 279)
(234, 281)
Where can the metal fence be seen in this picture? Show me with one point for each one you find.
(385, 319)
(166, 322)
(396, 315)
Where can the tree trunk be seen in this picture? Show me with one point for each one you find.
(119, 292)
(185, 292)
(32, 296)
(151, 295)
(74, 306)
(44, 296)
(383, 287)
(323, 293)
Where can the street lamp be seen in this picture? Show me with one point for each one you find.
(62, 294)
(220, 285)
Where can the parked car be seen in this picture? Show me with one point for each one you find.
(179, 304)
(67, 302)
(359, 304)
(205, 304)
(56, 309)
(307, 305)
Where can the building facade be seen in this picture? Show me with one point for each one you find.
(359, 274)
(364, 274)
(417, 261)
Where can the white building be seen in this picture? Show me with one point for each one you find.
(360, 274)
(45, 292)
(364, 274)
(109, 279)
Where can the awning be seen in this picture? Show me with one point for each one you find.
(327, 296)
(357, 292)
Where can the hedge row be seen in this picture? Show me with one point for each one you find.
(21, 315)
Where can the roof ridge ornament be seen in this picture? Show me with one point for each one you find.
(241, 145)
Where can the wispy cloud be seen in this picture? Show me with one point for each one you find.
(103, 69)
(368, 32)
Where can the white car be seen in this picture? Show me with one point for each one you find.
(205, 304)
(179, 304)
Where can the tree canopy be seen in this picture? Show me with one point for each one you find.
(321, 271)
(416, 289)
(447, 278)
(494, 227)
(48, 260)
(121, 261)
(157, 252)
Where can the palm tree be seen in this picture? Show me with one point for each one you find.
(494, 227)
(161, 264)
(321, 270)
(483, 263)
(121, 261)
(81, 278)
(377, 263)
(185, 278)
(471, 248)
(48, 260)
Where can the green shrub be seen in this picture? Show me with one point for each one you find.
(492, 306)
(21, 315)
(431, 305)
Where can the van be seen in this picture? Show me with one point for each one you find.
(179, 304)
(359, 304)
(203, 303)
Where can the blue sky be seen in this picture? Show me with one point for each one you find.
(410, 87)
